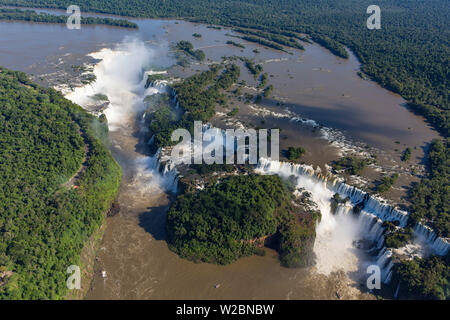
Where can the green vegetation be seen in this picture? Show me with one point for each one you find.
(263, 42)
(33, 16)
(407, 55)
(197, 35)
(233, 112)
(233, 218)
(235, 44)
(430, 197)
(297, 233)
(406, 156)
(386, 183)
(204, 169)
(294, 154)
(217, 224)
(336, 200)
(255, 70)
(99, 97)
(362, 75)
(45, 140)
(275, 38)
(262, 80)
(296, 241)
(88, 78)
(351, 165)
(332, 45)
(188, 49)
(154, 77)
(395, 237)
(198, 96)
(423, 278)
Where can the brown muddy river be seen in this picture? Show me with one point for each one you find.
(312, 84)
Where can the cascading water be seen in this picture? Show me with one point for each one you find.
(120, 76)
(337, 233)
(371, 204)
(438, 244)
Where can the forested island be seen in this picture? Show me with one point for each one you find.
(188, 49)
(239, 215)
(58, 181)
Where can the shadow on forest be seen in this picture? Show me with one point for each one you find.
(153, 221)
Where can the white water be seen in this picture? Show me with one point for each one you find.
(335, 233)
(121, 76)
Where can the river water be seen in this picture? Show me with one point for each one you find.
(134, 254)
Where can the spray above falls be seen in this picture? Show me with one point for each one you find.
(338, 231)
(120, 78)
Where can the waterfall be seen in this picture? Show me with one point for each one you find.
(371, 204)
(366, 225)
(151, 170)
(121, 76)
(338, 231)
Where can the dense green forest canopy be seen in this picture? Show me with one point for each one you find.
(216, 224)
(44, 141)
(227, 220)
(188, 48)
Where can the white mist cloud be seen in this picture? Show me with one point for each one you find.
(119, 76)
